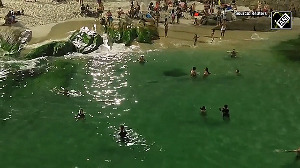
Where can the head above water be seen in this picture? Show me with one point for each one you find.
(226, 106)
(194, 68)
(122, 127)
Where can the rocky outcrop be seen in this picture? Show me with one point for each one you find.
(126, 32)
(129, 35)
(146, 34)
(12, 40)
(82, 41)
(55, 48)
(86, 40)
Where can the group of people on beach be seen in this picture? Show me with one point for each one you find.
(10, 18)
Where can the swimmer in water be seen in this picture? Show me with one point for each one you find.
(297, 151)
(203, 110)
(225, 111)
(206, 72)
(233, 53)
(80, 115)
(193, 72)
(123, 133)
(65, 92)
(237, 71)
(141, 59)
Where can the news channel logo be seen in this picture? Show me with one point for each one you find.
(281, 20)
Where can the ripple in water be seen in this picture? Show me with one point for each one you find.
(134, 139)
(108, 69)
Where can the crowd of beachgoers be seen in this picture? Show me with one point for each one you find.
(41, 12)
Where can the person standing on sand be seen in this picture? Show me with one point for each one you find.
(80, 2)
(195, 39)
(212, 34)
(223, 28)
(1, 4)
(99, 3)
(157, 17)
(178, 14)
(173, 16)
(166, 27)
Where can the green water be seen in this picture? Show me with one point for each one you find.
(159, 104)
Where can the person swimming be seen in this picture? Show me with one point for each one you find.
(80, 115)
(141, 59)
(123, 133)
(233, 53)
(297, 151)
(64, 92)
(193, 72)
(203, 110)
(225, 111)
(237, 71)
(206, 72)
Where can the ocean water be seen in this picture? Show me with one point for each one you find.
(158, 102)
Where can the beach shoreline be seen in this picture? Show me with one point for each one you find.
(51, 28)
(180, 35)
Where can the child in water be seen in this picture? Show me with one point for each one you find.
(123, 133)
(233, 53)
(225, 111)
(206, 72)
(141, 59)
(203, 110)
(237, 71)
(80, 114)
(193, 72)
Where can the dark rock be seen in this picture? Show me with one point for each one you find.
(44, 50)
(55, 48)
(63, 47)
(85, 40)
(147, 33)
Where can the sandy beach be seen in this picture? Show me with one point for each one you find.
(54, 21)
